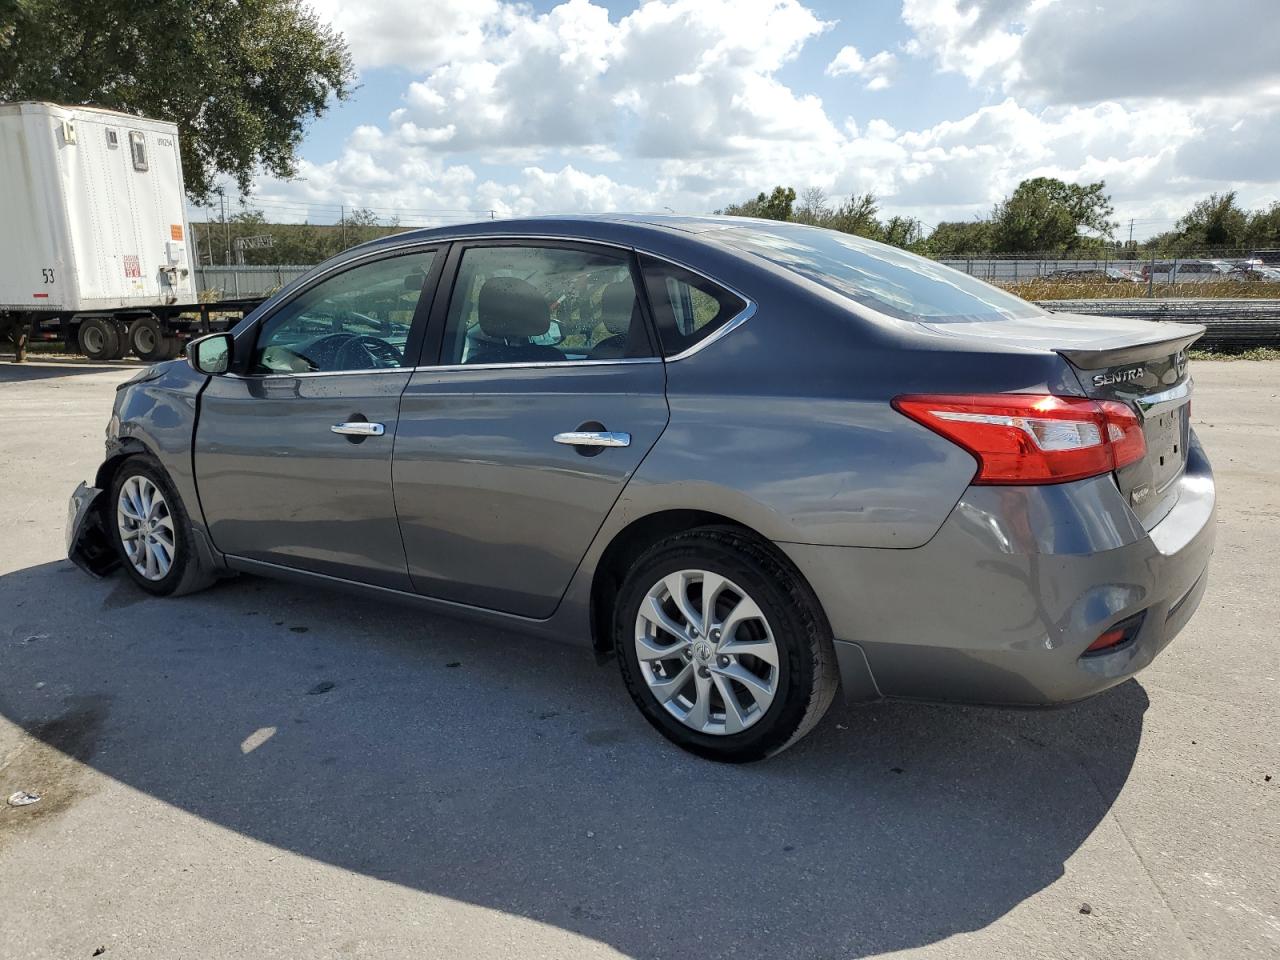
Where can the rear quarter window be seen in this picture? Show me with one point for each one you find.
(886, 279)
(687, 308)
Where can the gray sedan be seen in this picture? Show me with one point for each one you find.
(755, 461)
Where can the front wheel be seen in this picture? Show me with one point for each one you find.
(723, 647)
(151, 531)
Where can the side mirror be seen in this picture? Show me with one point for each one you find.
(210, 355)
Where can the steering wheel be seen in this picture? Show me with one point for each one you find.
(360, 352)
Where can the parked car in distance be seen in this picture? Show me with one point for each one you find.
(1186, 271)
(1099, 275)
(755, 461)
(1255, 272)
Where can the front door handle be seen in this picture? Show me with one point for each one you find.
(593, 438)
(358, 428)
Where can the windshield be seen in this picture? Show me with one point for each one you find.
(878, 276)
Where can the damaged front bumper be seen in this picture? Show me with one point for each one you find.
(88, 545)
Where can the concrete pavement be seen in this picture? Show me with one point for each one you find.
(461, 792)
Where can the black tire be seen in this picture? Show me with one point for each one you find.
(122, 337)
(98, 338)
(172, 347)
(807, 673)
(186, 574)
(148, 341)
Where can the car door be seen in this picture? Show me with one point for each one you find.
(293, 450)
(539, 394)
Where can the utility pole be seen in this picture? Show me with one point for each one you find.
(343, 220)
(1131, 231)
(226, 227)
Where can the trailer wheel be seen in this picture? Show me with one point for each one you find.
(122, 337)
(172, 347)
(98, 338)
(147, 339)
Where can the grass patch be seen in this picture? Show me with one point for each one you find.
(1099, 290)
(1257, 353)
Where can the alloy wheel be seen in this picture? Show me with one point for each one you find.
(707, 652)
(146, 527)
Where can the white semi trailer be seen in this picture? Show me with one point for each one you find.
(94, 238)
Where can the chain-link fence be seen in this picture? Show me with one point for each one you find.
(1240, 265)
(231, 283)
(1247, 272)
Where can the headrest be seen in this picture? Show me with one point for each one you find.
(616, 304)
(511, 307)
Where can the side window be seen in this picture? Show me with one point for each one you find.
(357, 320)
(138, 148)
(539, 304)
(686, 307)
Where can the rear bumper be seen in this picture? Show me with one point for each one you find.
(1000, 605)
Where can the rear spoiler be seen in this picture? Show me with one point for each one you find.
(1126, 351)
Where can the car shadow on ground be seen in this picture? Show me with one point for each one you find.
(41, 367)
(516, 774)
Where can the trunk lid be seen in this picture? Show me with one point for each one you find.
(1137, 362)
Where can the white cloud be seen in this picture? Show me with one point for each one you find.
(682, 103)
(876, 71)
(679, 77)
(965, 37)
(1083, 51)
(410, 33)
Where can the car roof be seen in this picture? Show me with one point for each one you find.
(617, 227)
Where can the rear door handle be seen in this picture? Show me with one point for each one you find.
(593, 438)
(358, 428)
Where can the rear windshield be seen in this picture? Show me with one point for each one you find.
(878, 276)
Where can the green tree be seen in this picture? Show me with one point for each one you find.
(772, 206)
(1047, 214)
(857, 215)
(899, 231)
(241, 79)
(1263, 230)
(1216, 221)
(954, 238)
(813, 208)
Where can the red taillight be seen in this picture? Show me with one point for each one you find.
(1032, 438)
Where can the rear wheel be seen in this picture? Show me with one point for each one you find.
(723, 647)
(151, 342)
(152, 532)
(99, 338)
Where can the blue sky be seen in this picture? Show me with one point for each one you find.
(939, 107)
